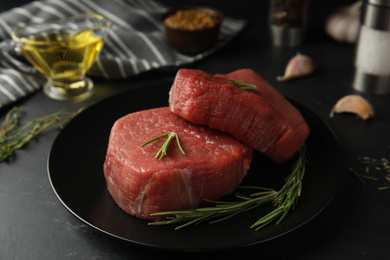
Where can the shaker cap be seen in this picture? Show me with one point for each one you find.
(384, 3)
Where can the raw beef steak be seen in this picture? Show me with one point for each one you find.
(261, 118)
(213, 165)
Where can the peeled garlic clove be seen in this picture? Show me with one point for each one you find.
(298, 66)
(353, 104)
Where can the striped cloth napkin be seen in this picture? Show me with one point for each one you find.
(135, 44)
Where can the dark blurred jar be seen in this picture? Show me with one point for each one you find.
(288, 22)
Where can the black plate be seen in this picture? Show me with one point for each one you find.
(75, 168)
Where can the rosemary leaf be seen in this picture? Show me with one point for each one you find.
(361, 177)
(243, 85)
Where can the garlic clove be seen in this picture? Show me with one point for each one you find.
(298, 66)
(353, 104)
(343, 24)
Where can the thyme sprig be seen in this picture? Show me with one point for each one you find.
(243, 85)
(13, 138)
(163, 150)
(283, 200)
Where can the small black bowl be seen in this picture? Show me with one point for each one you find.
(193, 41)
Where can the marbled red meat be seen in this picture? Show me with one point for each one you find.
(213, 165)
(262, 118)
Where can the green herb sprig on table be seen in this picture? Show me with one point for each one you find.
(13, 138)
(283, 200)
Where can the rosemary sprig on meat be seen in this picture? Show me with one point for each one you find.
(13, 138)
(163, 150)
(283, 200)
(243, 85)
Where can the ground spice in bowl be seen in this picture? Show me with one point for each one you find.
(192, 29)
(192, 20)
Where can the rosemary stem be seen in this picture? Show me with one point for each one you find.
(12, 139)
(283, 200)
(163, 150)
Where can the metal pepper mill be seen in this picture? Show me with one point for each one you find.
(288, 22)
(372, 61)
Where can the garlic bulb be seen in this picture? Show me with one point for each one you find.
(298, 66)
(343, 25)
(354, 104)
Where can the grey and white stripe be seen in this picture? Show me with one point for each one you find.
(136, 43)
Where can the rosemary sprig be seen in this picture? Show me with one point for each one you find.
(243, 85)
(163, 150)
(12, 138)
(283, 200)
(361, 177)
(289, 194)
(221, 211)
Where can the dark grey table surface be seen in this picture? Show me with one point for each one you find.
(355, 225)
